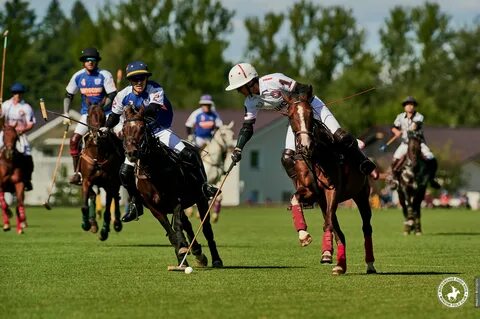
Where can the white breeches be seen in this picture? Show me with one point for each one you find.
(167, 137)
(22, 145)
(403, 149)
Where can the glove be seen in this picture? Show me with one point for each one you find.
(66, 121)
(383, 148)
(103, 129)
(191, 138)
(237, 155)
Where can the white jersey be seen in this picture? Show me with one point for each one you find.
(20, 114)
(405, 124)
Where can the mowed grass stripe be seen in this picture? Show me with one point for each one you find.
(56, 270)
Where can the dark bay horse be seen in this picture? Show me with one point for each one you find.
(327, 177)
(166, 188)
(100, 161)
(413, 180)
(11, 178)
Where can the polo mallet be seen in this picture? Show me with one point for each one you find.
(390, 141)
(57, 164)
(3, 64)
(181, 267)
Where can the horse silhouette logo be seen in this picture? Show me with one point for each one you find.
(452, 292)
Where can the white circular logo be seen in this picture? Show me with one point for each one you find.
(452, 292)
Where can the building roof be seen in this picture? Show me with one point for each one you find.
(462, 143)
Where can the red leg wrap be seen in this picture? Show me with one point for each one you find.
(327, 244)
(369, 250)
(298, 219)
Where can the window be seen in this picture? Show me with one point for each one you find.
(255, 159)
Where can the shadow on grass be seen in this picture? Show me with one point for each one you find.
(456, 234)
(251, 267)
(417, 273)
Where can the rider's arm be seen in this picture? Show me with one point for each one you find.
(245, 133)
(109, 100)
(396, 131)
(66, 102)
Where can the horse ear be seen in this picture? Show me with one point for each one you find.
(230, 125)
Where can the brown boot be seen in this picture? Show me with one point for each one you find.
(76, 178)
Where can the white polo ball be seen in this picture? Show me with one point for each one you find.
(188, 270)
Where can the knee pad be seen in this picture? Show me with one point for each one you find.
(126, 173)
(344, 138)
(288, 162)
(75, 144)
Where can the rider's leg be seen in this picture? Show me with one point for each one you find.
(349, 144)
(127, 178)
(432, 165)
(192, 158)
(28, 170)
(289, 165)
(76, 178)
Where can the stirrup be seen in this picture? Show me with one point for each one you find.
(209, 190)
(76, 178)
(135, 210)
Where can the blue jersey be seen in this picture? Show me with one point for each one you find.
(153, 93)
(93, 86)
(205, 124)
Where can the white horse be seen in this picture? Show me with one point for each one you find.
(213, 157)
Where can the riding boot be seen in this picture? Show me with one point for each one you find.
(194, 167)
(76, 178)
(135, 206)
(349, 144)
(395, 172)
(27, 177)
(432, 166)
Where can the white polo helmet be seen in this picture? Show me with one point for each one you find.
(240, 74)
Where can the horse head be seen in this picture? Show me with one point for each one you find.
(300, 116)
(133, 132)
(10, 137)
(224, 136)
(96, 115)
(414, 147)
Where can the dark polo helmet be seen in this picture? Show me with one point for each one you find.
(409, 100)
(90, 53)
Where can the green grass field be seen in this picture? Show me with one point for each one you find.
(56, 270)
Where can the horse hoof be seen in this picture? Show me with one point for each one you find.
(201, 261)
(418, 233)
(338, 270)
(214, 217)
(103, 235)
(117, 226)
(6, 227)
(371, 268)
(326, 257)
(217, 263)
(23, 224)
(306, 240)
(20, 231)
(94, 228)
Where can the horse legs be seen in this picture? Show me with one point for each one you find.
(217, 206)
(363, 204)
(328, 205)
(403, 203)
(5, 215)
(200, 258)
(299, 221)
(117, 223)
(208, 233)
(417, 206)
(86, 226)
(92, 213)
(21, 218)
(107, 216)
(182, 244)
(341, 266)
(171, 234)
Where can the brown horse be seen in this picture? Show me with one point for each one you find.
(167, 188)
(11, 178)
(413, 180)
(326, 177)
(99, 164)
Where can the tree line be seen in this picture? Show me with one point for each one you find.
(183, 42)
